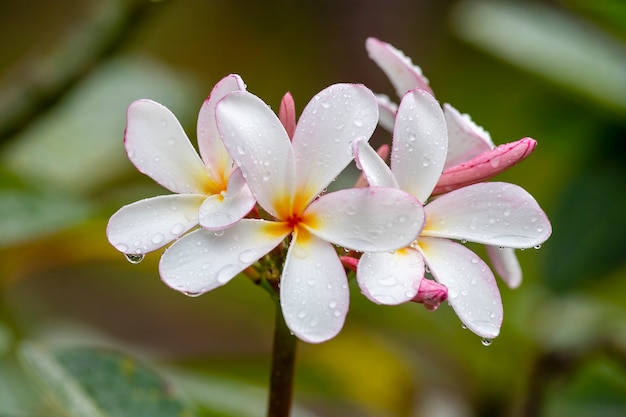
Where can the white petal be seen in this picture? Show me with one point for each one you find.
(493, 213)
(390, 278)
(506, 265)
(204, 260)
(212, 149)
(150, 224)
(258, 143)
(371, 219)
(376, 171)
(158, 146)
(386, 112)
(472, 289)
(420, 142)
(466, 139)
(403, 74)
(334, 118)
(221, 211)
(313, 290)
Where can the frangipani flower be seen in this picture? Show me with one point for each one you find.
(472, 156)
(496, 213)
(287, 177)
(209, 191)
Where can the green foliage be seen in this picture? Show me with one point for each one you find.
(83, 382)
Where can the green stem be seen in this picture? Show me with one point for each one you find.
(283, 366)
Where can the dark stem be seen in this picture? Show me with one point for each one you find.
(283, 366)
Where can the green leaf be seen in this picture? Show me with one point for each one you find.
(25, 215)
(88, 382)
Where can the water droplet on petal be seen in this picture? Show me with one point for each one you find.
(314, 321)
(388, 281)
(241, 150)
(227, 272)
(134, 258)
(158, 238)
(332, 304)
(350, 210)
(358, 122)
(486, 342)
(177, 229)
(537, 246)
(192, 293)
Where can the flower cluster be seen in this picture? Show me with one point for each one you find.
(255, 201)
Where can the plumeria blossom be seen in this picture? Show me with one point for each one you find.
(287, 178)
(494, 213)
(472, 156)
(209, 191)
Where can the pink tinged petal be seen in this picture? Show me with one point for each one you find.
(485, 165)
(287, 114)
(329, 124)
(493, 213)
(403, 74)
(257, 141)
(212, 149)
(506, 265)
(150, 224)
(383, 153)
(349, 262)
(313, 290)
(374, 168)
(158, 146)
(472, 289)
(420, 143)
(371, 219)
(466, 139)
(390, 278)
(431, 294)
(220, 211)
(386, 112)
(204, 260)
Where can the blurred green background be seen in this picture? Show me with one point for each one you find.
(75, 315)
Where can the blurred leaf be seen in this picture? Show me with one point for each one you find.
(222, 397)
(598, 388)
(86, 382)
(567, 51)
(78, 145)
(589, 229)
(25, 215)
(611, 13)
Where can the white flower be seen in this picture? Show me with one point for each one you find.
(286, 178)
(496, 213)
(209, 191)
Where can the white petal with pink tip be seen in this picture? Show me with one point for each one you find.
(370, 219)
(258, 143)
(494, 213)
(314, 290)
(472, 289)
(220, 211)
(419, 144)
(376, 171)
(390, 278)
(158, 146)
(149, 224)
(210, 144)
(506, 265)
(466, 139)
(330, 122)
(204, 260)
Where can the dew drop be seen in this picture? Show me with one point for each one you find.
(226, 273)
(163, 122)
(486, 342)
(337, 313)
(326, 105)
(158, 238)
(218, 233)
(241, 150)
(134, 258)
(358, 122)
(192, 293)
(311, 282)
(177, 229)
(332, 304)
(474, 260)
(388, 281)
(249, 256)
(426, 162)
(350, 210)
(122, 247)
(302, 313)
(314, 321)
(537, 246)
(464, 327)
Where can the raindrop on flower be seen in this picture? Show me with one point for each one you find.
(358, 122)
(192, 293)
(486, 342)
(134, 258)
(537, 246)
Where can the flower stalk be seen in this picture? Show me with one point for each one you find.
(283, 366)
